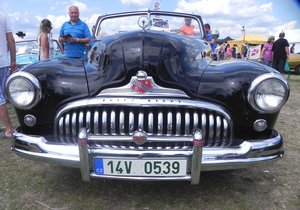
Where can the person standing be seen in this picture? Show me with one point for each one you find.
(266, 53)
(280, 53)
(292, 50)
(45, 42)
(228, 50)
(7, 43)
(210, 39)
(74, 35)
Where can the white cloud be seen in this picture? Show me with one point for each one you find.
(138, 3)
(81, 6)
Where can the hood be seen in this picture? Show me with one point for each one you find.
(173, 61)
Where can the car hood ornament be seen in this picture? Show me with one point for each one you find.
(141, 84)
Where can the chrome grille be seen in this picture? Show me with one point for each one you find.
(156, 117)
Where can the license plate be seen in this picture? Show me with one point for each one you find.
(140, 167)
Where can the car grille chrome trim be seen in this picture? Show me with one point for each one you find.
(106, 117)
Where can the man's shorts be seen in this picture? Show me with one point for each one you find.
(4, 73)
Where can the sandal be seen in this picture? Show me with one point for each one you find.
(4, 134)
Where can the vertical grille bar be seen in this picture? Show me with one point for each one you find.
(74, 118)
(169, 123)
(61, 126)
(96, 122)
(225, 132)
(218, 130)
(150, 122)
(122, 122)
(81, 116)
(113, 122)
(160, 123)
(211, 123)
(196, 120)
(88, 120)
(178, 123)
(67, 124)
(141, 120)
(104, 122)
(203, 125)
(187, 122)
(131, 122)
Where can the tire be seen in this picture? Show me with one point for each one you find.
(297, 70)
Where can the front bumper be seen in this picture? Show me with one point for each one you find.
(198, 158)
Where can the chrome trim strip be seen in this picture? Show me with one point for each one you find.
(175, 178)
(128, 138)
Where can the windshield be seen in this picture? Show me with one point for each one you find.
(182, 25)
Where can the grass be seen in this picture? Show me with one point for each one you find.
(25, 184)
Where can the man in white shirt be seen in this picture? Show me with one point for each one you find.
(7, 44)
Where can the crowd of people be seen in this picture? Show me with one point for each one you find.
(73, 37)
(273, 53)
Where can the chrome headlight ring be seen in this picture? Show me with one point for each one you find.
(23, 90)
(268, 93)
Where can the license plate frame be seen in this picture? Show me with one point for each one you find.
(145, 167)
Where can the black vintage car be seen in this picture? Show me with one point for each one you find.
(147, 103)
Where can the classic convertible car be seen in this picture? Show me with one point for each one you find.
(147, 103)
(27, 52)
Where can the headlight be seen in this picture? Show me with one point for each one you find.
(23, 90)
(268, 93)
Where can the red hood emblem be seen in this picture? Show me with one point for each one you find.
(142, 85)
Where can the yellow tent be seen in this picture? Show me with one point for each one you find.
(252, 39)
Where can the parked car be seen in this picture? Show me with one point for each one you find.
(27, 52)
(294, 62)
(147, 103)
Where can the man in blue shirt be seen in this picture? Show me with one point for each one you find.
(74, 35)
(210, 39)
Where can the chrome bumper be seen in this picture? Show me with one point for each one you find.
(199, 159)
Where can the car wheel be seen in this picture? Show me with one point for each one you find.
(297, 70)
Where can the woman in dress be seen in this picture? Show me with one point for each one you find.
(266, 53)
(44, 40)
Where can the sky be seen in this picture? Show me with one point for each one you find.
(264, 17)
